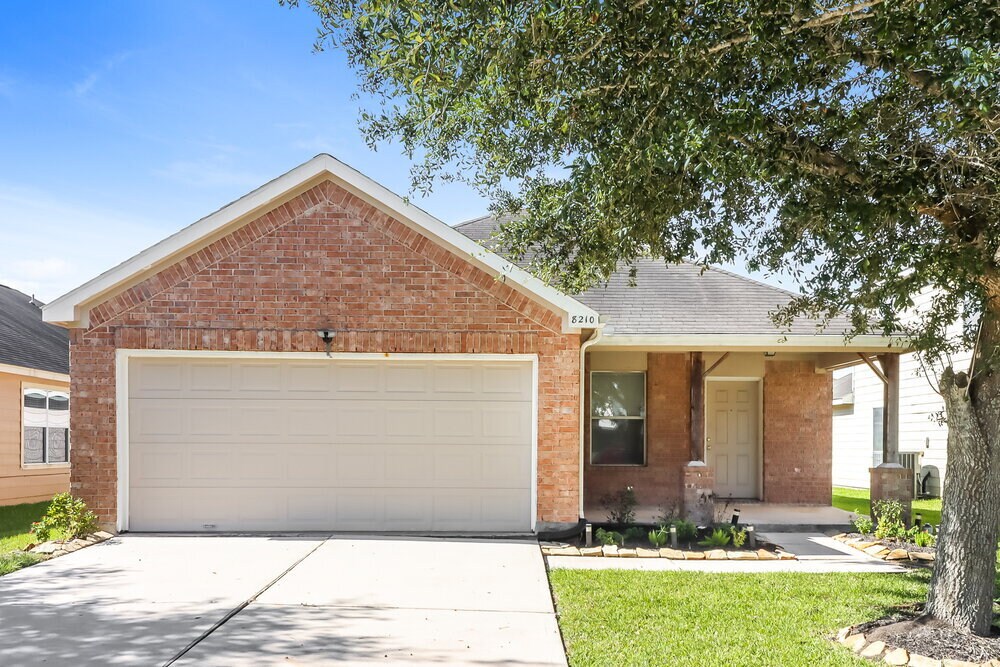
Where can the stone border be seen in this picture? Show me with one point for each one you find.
(876, 549)
(614, 551)
(878, 650)
(56, 548)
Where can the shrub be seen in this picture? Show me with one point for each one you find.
(66, 515)
(658, 538)
(920, 537)
(686, 530)
(633, 533)
(889, 517)
(609, 537)
(739, 536)
(717, 538)
(620, 506)
(863, 524)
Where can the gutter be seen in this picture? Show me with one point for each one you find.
(594, 338)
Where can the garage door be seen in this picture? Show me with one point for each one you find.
(353, 444)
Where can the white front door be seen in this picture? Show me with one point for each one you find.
(329, 444)
(731, 445)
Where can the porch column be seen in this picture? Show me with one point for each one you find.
(697, 407)
(890, 481)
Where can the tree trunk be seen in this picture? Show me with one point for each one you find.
(962, 586)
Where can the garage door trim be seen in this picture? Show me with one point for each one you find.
(123, 356)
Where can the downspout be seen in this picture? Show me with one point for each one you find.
(594, 337)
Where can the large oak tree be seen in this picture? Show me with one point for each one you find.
(851, 145)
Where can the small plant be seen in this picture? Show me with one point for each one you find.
(686, 531)
(889, 516)
(668, 515)
(658, 538)
(66, 515)
(717, 538)
(633, 533)
(863, 524)
(620, 506)
(920, 537)
(609, 537)
(739, 536)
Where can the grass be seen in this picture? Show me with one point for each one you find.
(15, 522)
(705, 619)
(858, 501)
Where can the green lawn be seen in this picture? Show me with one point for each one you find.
(15, 522)
(857, 500)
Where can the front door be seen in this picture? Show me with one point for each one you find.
(731, 437)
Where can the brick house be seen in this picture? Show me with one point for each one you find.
(322, 355)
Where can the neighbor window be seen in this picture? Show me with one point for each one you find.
(618, 418)
(46, 426)
(877, 427)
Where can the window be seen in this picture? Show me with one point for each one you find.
(877, 424)
(46, 426)
(618, 418)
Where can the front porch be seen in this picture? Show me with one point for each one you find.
(689, 431)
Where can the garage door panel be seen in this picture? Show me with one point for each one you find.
(366, 444)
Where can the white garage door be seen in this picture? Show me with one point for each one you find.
(329, 444)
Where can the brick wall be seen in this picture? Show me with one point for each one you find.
(326, 259)
(668, 418)
(798, 433)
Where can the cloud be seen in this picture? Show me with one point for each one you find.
(210, 172)
(83, 87)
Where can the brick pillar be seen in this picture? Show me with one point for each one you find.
(893, 483)
(699, 497)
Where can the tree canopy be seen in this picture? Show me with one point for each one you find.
(852, 145)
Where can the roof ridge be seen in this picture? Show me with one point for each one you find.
(469, 222)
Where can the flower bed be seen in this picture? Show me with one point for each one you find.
(55, 548)
(888, 549)
(614, 551)
(908, 639)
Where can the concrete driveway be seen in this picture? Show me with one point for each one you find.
(290, 600)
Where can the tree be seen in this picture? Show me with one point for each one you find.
(851, 145)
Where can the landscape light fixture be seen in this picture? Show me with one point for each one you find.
(327, 337)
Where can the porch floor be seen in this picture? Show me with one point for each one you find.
(775, 517)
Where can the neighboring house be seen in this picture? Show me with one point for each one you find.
(34, 402)
(320, 354)
(857, 425)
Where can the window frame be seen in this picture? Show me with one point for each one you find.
(591, 417)
(48, 389)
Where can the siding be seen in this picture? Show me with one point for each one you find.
(19, 485)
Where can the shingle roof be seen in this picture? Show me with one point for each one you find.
(27, 341)
(669, 299)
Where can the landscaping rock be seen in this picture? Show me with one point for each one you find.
(741, 555)
(672, 554)
(46, 548)
(923, 661)
(764, 554)
(961, 663)
(876, 550)
(897, 656)
(862, 545)
(70, 547)
(897, 554)
(561, 551)
(840, 536)
(855, 642)
(591, 551)
(103, 535)
(647, 553)
(59, 552)
(784, 555)
(873, 650)
(626, 553)
(610, 551)
(843, 633)
(716, 554)
(694, 555)
(921, 556)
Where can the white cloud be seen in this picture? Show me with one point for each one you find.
(210, 172)
(82, 87)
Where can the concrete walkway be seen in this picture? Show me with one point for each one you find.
(816, 553)
(148, 600)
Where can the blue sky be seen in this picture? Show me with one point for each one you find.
(121, 122)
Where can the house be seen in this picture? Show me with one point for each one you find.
(34, 402)
(321, 354)
(857, 425)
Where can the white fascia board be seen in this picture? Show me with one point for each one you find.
(757, 342)
(34, 373)
(71, 308)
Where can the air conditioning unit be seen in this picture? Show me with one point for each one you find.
(911, 461)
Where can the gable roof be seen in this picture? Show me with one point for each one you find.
(25, 340)
(683, 300)
(72, 308)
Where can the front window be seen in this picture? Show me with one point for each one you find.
(618, 418)
(46, 426)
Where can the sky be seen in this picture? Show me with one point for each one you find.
(122, 122)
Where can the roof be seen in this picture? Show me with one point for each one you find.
(27, 341)
(681, 299)
(72, 308)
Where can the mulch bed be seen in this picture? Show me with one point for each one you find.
(890, 544)
(909, 630)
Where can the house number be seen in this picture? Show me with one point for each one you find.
(583, 319)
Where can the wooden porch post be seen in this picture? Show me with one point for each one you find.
(890, 409)
(697, 407)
